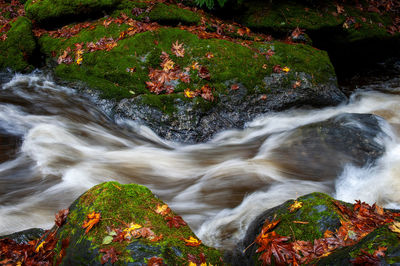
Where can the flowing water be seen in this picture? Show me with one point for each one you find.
(56, 144)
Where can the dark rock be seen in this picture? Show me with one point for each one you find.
(320, 150)
(23, 237)
(190, 124)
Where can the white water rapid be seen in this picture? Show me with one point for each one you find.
(56, 144)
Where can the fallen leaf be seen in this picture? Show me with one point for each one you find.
(286, 69)
(295, 206)
(177, 49)
(155, 261)
(162, 209)
(93, 219)
(111, 254)
(234, 87)
(107, 240)
(189, 93)
(40, 246)
(175, 221)
(193, 242)
(395, 227)
(61, 216)
(209, 55)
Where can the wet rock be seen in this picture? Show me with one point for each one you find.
(318, 210)
(119, 206)
(23, 237)
(319, 214)
(320, 150)
(190, 124)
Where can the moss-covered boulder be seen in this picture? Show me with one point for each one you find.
(318, 217)
(126, 207)
(57, 12)
(244, 82)
(348, 30)
(18, 46)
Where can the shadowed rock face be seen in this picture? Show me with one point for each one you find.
(320, 150)
(190, 124)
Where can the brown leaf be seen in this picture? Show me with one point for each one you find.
(177, 49)
(204, 73)
(175, 221)
(155, 261)
(111, 254)
(61, 216)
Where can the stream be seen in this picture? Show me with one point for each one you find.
(56, 144)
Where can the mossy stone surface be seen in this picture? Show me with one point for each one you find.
(18, 47)
(381, 237)
(120, 205)
(317, 209)
(55, 11)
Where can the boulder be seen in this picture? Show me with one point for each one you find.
(126, 207)
(321, 150)
(51, 13)
(18, 47)
(321, 217)
(347, 30)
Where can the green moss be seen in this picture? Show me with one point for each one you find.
(120, 205)
(381, 237)
(318, 210)
(18, 47)
(106, 70)
(172, 14)
(284, 16)
(160, 12)
(43, 11)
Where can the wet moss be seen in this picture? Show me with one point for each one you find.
(381, 237)
(120, 205)
(284, 16)
(19, 46)
(58, 10)
(107, 70)
(318, 211)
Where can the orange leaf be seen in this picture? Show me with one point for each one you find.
(93, 219)
(193, 242)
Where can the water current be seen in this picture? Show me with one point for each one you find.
(55, 144)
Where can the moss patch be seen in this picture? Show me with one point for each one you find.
(284, 16)
(43, 11)
(120, 205)
(107, 70)
(18, 47)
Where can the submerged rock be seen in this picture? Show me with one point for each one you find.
(23, 237)
(320, 150)
(124, 207)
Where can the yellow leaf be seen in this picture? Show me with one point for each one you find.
(40, 246)
(195, 65)
(168, 65)
(19, 263)
(132, 227)
(295, 206)
(191, 263)
(189, 93)
(193, 242)
(79, 60)
(286, 69)
(395, 228)
(162, 209)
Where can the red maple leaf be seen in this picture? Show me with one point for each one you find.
(111, 254)
(175, 221)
